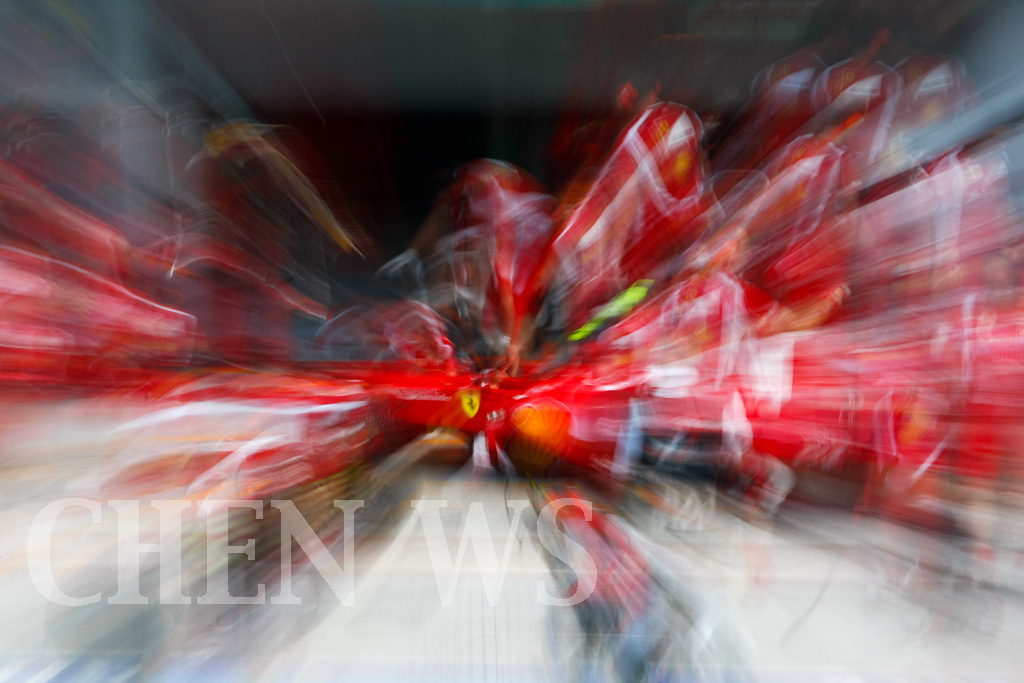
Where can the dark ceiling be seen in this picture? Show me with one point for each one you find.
(394, 94)
(313, 54)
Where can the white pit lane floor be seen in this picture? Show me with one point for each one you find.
(821, 596)
(823, 606)
(830, 605)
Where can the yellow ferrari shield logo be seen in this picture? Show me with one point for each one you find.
(471, 402)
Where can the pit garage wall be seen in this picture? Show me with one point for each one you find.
(121, 78)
